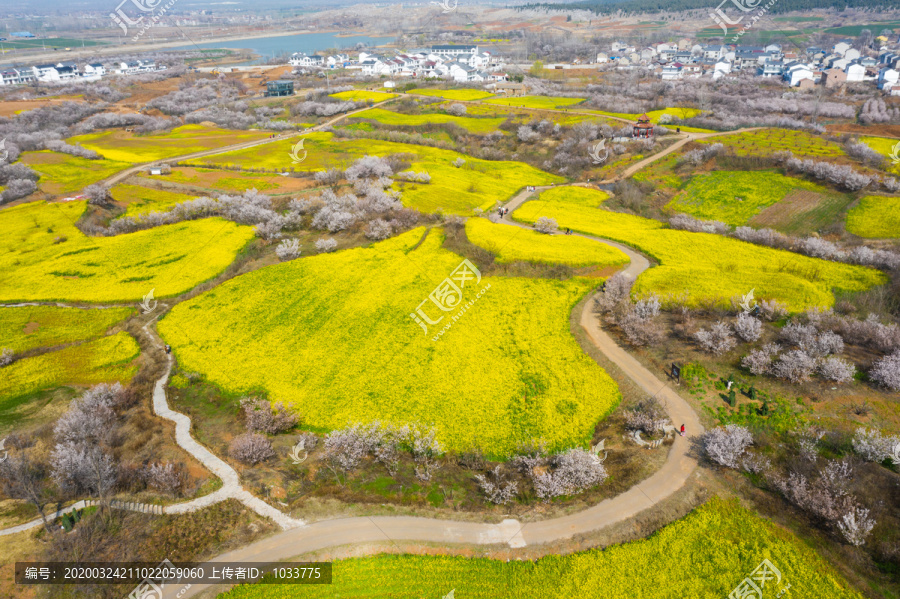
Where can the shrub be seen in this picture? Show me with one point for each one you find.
(545, 225)
(288, 249)
(748, 328)
(795, 366)
(18, 188)
(616, 290)
(459, 109)
(718, 340)
(378, 229)
(725, 445)
(251, 448)
(856, 525)
(872, 446)
(836, 369)
(262, 419)
(496, 488)
(886, 371)
(326, 244)
(166, 477)
(647, 416)
(571, 472)
(6, 357)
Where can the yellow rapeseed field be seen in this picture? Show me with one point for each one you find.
(26, 327)
(875, 217)
(331, 336)
(45, 257)
(106, 359)
(703, 266)
(457, 190)
(140, 200)
(510, 244)
(706, 554)
(64, 174)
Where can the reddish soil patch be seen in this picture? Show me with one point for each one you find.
(30, 328)
(879, 131)
(794, 204)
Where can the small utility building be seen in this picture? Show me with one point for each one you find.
(280, 87)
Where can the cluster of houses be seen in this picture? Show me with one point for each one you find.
(842, 64)
(463, 63)
(69, 72)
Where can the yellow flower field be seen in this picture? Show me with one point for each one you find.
(884, 146)
(106, 359)
(708, 553)
(544, 102)
(27, 327)
(116, 144)
(875, 217)
(332, 337)
(510, 244)
(734, 197)
(45, 257)
(702, 265)
(465, 95)
(140, 200)
(386, 117)
(478, 183)
(764, 142)
(363, 95)
(62, 173)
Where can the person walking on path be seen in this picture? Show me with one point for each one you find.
(682, 430)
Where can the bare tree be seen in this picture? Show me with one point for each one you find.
(886, 371)
(262, 419)
(759, 361)
(545, 224)
(24, 477)
(748, 328)
(718, 340)
(726, 444)
(251, 448)
(166, 477)
(496, 487)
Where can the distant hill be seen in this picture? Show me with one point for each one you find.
(651, 6)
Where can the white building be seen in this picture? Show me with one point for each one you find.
(855, 72)
(301, 59)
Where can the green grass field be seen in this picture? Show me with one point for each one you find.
(708, 553)
(331, 336)
(106, 359)
(50, 42)
(478, 183)
(27, 327)
(875, 217)
(855, 30)
(465, 95)
(45, 257)
(62, 173)
(363, 95)
(511, 244)
(537, 102)
(765, 142)
(675, 111)
(734, 197)
(703, 266)
(119, 145)
(395, 119)
(141, 200)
